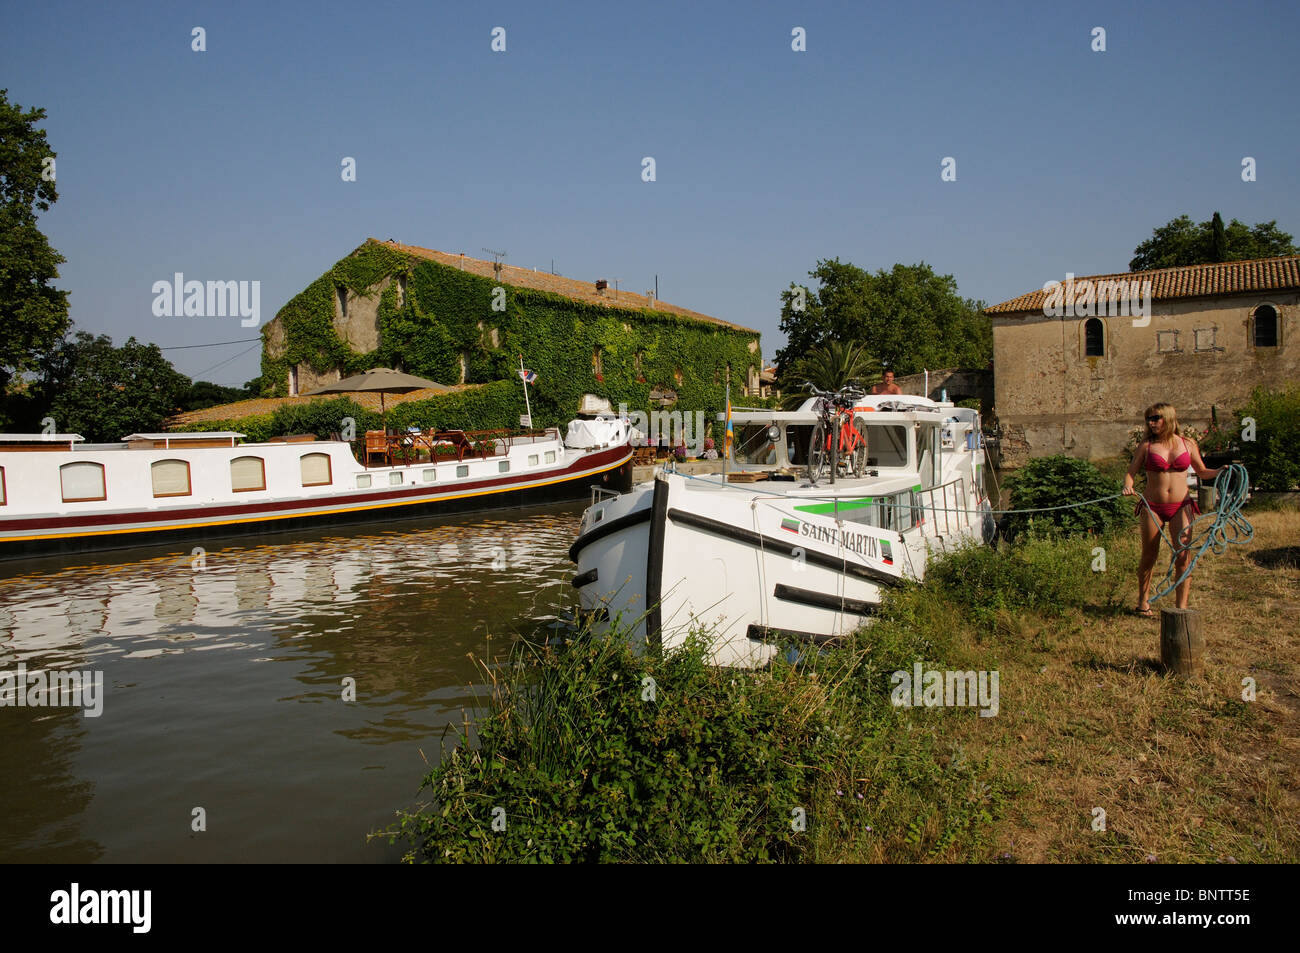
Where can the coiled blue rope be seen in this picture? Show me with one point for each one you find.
(1227, 528)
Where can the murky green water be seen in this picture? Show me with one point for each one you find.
(223, 686)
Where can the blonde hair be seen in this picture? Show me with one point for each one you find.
(1166, 413)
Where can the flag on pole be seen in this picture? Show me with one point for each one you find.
(528, 377)
(726, 452)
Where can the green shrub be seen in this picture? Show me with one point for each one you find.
(1047, 576)
(1059, 481)
(1272, 458)
(577, 762)
(321, 417)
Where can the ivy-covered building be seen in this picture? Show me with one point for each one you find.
(457, 319)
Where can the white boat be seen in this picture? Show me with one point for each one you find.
(748, 564)
(61, 494)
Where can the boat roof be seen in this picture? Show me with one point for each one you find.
(40, 437)
(184, 435)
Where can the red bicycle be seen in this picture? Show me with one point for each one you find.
(837, 427)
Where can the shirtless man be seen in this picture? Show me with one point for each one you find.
(887, 385)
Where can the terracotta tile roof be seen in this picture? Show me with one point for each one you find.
(556, 284)
(1191, 281)
(267, 405)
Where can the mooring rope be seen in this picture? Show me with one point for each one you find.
(1227, 528)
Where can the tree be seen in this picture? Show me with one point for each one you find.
(1184, 242)
(203, 394)
(907, 319)
(830, 367)
(33, 314)
(1218, 240)
(104, 392)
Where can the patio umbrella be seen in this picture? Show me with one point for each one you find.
(383, 380)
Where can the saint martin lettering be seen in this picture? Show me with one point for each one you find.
(212, 299)
(863, 544)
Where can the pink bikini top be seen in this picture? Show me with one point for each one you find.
(1157, 465)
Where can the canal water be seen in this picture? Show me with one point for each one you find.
(224, 678)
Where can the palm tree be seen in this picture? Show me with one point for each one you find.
(830, 367)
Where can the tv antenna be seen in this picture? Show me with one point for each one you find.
(496, 260)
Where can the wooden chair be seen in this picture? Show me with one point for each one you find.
(377, 444)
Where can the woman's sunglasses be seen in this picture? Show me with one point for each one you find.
(1154, 420)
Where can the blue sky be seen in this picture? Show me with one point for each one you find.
(225, 164)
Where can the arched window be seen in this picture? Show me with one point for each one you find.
(1265, 326)
(81, 482)
(170, 477)
(1094, 338)
(316, 469)
(247, 473)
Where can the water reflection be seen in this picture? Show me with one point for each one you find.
(224, 686)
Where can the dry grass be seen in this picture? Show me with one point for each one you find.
(1186, 771)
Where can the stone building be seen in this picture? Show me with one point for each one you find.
(457, 319)
(1077, 362)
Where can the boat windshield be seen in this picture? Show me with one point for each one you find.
(753, 446)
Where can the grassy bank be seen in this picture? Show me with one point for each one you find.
(597, 753)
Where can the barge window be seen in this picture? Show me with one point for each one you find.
(394, 477)
(533, 459)
(550, 456)
(82, 481)
(886, 445)
(3, 499)
(247, 474)
(503, 466)
(363, 481)
(170, 477)
(430, 475)
(462, 470)
(316, 469)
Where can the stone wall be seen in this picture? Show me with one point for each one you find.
(1049, 397)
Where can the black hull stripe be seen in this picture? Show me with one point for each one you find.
(824, 600)
(654, 571)
(770, 636)
(605, 529)
(785, 548)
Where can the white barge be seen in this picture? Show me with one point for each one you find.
(61, 494)
(749, 564)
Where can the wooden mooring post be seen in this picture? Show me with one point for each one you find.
(1182, 642)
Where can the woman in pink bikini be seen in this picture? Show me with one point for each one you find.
(1166, 456)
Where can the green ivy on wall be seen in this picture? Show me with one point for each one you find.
(448, 317)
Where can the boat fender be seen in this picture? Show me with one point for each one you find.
(988, 526)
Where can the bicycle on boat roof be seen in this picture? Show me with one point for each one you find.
(837, 426)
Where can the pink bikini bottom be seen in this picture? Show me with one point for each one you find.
(1166, 511)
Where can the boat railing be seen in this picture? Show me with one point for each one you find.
(946, 506)
(600, 493)
(414, 445)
